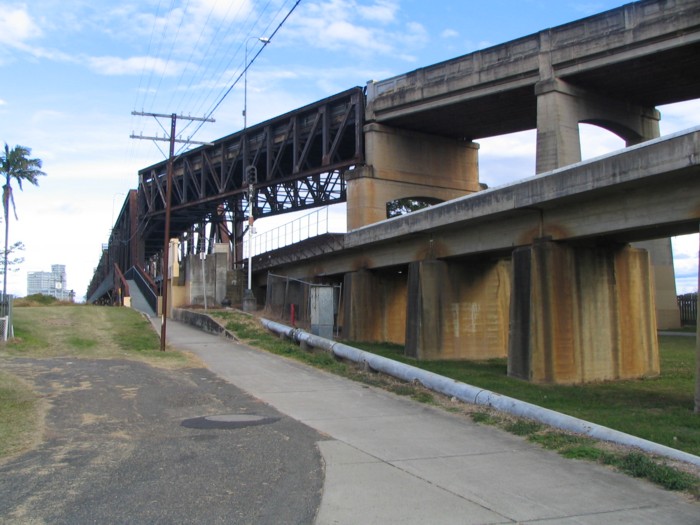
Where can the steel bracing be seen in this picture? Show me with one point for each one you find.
(299, 159)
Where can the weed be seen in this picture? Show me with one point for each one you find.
(484, 417)
(523, 427)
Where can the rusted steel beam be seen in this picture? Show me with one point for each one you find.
(300, 158)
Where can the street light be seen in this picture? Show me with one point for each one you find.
(249, 302)
(265, 41)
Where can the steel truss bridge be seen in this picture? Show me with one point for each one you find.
(299, 158)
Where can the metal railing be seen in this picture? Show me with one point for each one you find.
(6, 327)
(311, 225)
(688, 305)
(145, 284)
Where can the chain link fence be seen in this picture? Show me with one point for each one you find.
(294, 301)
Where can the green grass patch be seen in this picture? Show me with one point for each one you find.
(484, 418)
(523, 427)
(641, 466)
(87, 331)
(19, 415)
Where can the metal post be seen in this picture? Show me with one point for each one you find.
(168, 200)
(697, 343)
(166, 240)
(249, 302)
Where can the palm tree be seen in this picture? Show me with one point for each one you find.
(15, 164)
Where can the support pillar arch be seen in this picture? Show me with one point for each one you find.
(402, 163)
(562, 106)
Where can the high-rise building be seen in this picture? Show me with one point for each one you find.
(51, 283)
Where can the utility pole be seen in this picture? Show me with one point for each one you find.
(169, 185)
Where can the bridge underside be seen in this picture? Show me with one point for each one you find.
(540, 271)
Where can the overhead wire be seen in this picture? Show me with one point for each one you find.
(211, 55)
(163, 35)
(192, 53)
(245, 68)
(172, 47)
(239, 45)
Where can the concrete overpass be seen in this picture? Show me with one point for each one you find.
(539, 270)
(546, 259)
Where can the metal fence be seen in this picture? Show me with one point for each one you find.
(688, 305)
(6, 327)
(311, 225)
(291, 300)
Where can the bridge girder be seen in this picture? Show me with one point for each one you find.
(299, 158)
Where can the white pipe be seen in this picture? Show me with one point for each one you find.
(478, 396)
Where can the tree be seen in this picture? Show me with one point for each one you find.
(12, 257)
(408, 205)
(15, 165)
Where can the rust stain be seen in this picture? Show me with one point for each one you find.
(552, 231)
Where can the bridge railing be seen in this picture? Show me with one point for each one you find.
(311, 225)
(688, 306)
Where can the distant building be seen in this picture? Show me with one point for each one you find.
(51, 283)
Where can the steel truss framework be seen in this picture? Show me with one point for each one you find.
(300, 159)
(121, 252)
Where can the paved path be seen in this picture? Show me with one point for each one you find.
(391, 460)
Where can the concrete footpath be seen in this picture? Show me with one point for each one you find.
(389, 459)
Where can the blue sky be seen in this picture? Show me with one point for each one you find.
(72, 71)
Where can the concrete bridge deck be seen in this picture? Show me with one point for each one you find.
(647, 191)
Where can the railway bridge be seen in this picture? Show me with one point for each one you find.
(542, 270)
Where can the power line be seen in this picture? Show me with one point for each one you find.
(247, 66)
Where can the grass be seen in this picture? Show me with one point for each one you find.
(67, 330)
(578, 447)
(87, 331)
(20, 416)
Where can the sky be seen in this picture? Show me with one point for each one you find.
(73, 71)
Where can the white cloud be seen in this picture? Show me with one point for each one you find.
(17, 26)
(110, 65)
(383, 11)
(229, 10)
(355, 29)
(676, 117)
(449, 33)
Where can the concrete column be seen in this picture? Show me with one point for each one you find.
(668, 316)
(457, 310)
(558, 139)
(581, 314)
(562, 106)
(404, 164)
(374, 306)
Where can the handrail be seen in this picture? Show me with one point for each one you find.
(145, 284)
(120, 280)
(310, 225)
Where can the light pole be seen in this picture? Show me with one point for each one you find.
(265, 41)
(249, 302)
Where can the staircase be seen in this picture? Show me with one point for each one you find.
(138, 301)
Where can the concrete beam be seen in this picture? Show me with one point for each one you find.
(648, 191)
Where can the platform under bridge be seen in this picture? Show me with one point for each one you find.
(299, 158)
